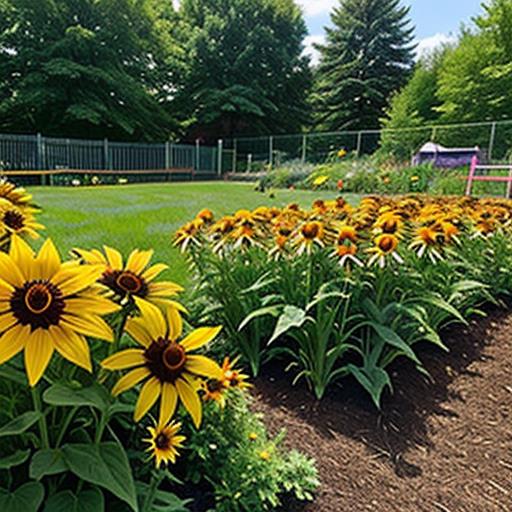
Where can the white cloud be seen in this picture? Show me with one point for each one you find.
(317, 7)
(426, 45)
(310, 50)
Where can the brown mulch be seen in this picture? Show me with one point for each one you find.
(439, 445)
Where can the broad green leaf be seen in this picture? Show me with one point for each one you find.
(105, 465)
(262, 282)
(269, 310)
(26, 498)
(61, 394)
(374, 380)
(393, 339)
(440, 303)
(15, 459)
(291, 316)
(91, 500)
(20, 424)
(47, 462)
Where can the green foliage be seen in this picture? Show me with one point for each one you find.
(248, 471)
(367, 56)
(246, 70)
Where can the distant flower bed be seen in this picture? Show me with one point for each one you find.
(340, 291)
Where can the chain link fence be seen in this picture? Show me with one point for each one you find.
(34, 159)
(250, 154)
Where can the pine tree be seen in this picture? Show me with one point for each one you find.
(367, 56)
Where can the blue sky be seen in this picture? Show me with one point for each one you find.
(436, 21)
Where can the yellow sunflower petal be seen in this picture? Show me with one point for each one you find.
(138, 261)
(204, 366)
(71, 346)
(7, 320)
(175, 323)
(164, 288)
(129, 380)
(9, 271)
(89, 325)
(154, 271)
(147, 397)
(114, 258)
(48, 260)
(136, 328)
(96, 305)
(38, 352)
(90, 257)
(168, 402)
(71, 280)
(190, 400)
(199, 337)
(124, 359)
(23, 255)
(153, 318)
(13, 341)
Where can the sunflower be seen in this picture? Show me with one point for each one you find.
(170, 369)
(164, 443)
(309, 234)
(188, 235)
(232, 377)
(16, 195)
(384, 246)
(134, 279)
(15, 220)
(46, 305)
(427, 241)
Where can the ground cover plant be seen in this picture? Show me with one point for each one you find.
(105, 384)
(338, 290)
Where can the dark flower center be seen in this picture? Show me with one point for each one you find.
(390, 226)
(124, 282)
(38, 303)
(14, 220)
(311, 231)
(386, 244)
(162, 441)
(165, 360)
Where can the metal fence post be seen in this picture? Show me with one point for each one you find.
(198, 156)
(219, 157)
(359, 143)
(234, 156)
(106, 156)
(167, 155)
(304, 146)
(492, 137)
(249, 162)
(41, 157)
(270, 151)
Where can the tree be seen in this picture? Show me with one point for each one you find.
(85, 68)
(367, 56)
(247, 73)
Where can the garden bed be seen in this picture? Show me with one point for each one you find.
(443, 444)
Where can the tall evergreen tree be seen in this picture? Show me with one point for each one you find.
(367, 56)
(247, 73)
(85, 68)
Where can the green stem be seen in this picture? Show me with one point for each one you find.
(119, 333)
(156, 478)
(101, 427)
(65, 425)
(43, 429)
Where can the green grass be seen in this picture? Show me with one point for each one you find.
(146, 216)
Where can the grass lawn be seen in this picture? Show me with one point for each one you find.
(146, 216)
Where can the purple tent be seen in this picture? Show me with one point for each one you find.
(445, 157)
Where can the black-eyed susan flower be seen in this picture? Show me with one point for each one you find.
(384, 246)
(309, 234)
(164, 443)
(133, 279)
(16, 195)
(165, 362)
(232, 377)
(19, 221)
(46, 305)
(427, 240)
(188, 235)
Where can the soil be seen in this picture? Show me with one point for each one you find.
(442, 444)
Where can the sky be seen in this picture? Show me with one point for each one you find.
(436, 21)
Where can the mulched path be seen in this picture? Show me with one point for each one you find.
(440, 445)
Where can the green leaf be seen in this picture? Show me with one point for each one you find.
(20, 424)
(440, 303)
(26, 498)
(15, 459)
(61, 394)
(105, 465)
(91, 500)
(373, 380)
(393, 339)
(14, 375)
(269, 310)
(47, 462)
(291, 316)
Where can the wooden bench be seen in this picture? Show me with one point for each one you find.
(475, 166)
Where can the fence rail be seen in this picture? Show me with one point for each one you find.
(252, 153)
(35, 155)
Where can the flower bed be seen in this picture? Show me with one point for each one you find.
(339, 291)
(104, 383)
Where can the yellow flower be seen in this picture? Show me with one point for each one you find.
(384, 245)
(133, 279)
(19, 221)
(164, 443)
(46, 306)
(425, 241)
(205, 215)
(164, 362)
(320, 180)
(309, 234)
(265, 455)
(16, 195)
(253, 436)
(415, 178)
(187, 235)
(341, 153)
